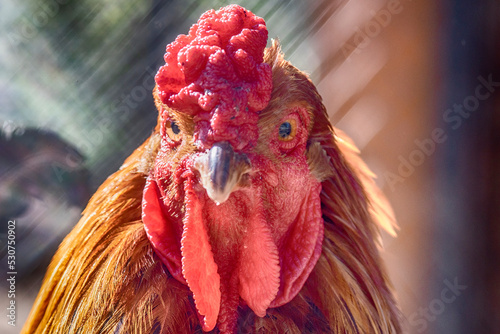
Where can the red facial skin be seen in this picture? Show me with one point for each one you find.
(259, 246)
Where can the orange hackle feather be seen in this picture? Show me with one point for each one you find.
(106, 278)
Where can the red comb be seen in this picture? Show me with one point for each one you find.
(216, 72)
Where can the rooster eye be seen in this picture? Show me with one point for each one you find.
(173, 130)
(287, 130)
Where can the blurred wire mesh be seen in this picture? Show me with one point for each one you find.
(83, 72)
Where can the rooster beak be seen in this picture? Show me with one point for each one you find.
(221, 170)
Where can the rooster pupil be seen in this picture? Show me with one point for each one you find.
(175, 128)
(285, 130)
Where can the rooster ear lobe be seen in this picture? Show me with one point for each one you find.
(319, 161)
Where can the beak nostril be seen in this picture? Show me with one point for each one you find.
(244, 180)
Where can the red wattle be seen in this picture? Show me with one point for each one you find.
(198, 265)
(259, 266)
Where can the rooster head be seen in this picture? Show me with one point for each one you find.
(232, 205)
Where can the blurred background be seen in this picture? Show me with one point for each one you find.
(414, 83)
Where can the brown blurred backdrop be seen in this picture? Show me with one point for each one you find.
(415, 83)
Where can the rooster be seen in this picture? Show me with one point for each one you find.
(244, 212)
